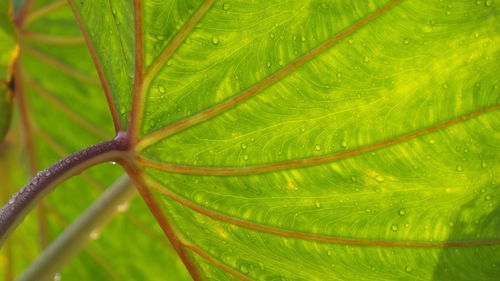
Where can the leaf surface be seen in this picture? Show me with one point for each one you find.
(293, 140)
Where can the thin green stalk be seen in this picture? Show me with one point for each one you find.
(75, 236)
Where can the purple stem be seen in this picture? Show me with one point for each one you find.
(20, 203)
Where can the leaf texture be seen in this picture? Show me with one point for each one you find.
(313, 140)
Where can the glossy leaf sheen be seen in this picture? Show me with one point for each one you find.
(315, 79)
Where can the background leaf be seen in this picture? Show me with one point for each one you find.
(66, 110)
(8, 50)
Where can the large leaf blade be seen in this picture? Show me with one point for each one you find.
(259, 83)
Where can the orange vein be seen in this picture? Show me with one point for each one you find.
(33, 15)
(23, 12)
(218, 263)
(98, 67)
(62, 66)
(140, 91)
(136, 110)
(68, 112)
(260, 86)
(179, 38)
(310, 236)
(54, 40)
(137, 177)
(306, 162)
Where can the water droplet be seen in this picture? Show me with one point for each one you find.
(484, 164)
(152, 123)
(113, 163)
(226, 7)
(394, 227)
(460, 168)
(329, 252)
(487, 197)
(12, 200)
(451, 224)
(303, 38)
(161, 89)
(318, 147)
(243, 146)
(317, 204)
(343, 143)
(339, 75)
(215, 40)
(432, 141)
(402, 212)
(409, 269)
(406, 41)
(57, 277)
(160, 37)
(379, 178)
(368, 210)
(243, 269)
(245, 157)
(268, 64)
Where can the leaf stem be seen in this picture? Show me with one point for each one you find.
(24, 200)
(76, 236)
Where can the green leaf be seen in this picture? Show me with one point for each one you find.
(8, 51)
(309, 140)
(65, 108)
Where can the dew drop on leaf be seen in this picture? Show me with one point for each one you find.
(317, 204)
(243, 146)
(460, 168)
(161, 89)
(318, 147)
(394, 227)
(215, 40)
(484, 164)
(487, 197)
(379, 178)
(343, 143)
(152, 123)
(408, 269)
(402, 212)
(245, 157)
(406, 41)
(226, 7)
(244, 269)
